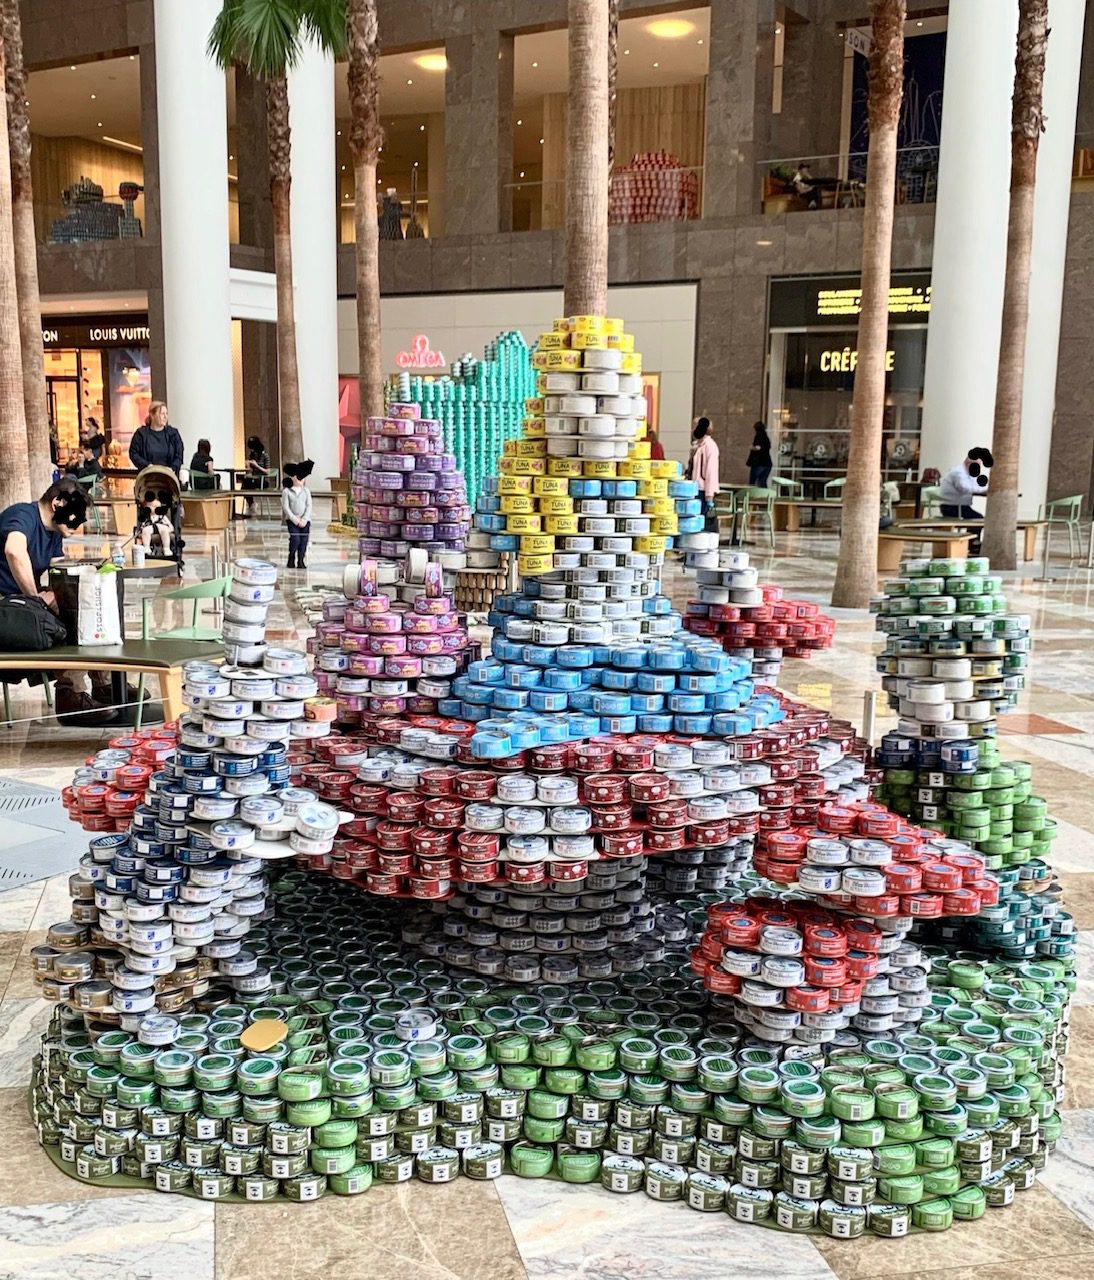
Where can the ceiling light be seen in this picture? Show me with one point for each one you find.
(415, 164)
(125, 146)
(656, 64)
(698, 42)
(432, 62)
(421, 128)
(410, 82)
(92, 97)
(670, 28)
(626, 51)
(338, 132)
(521, 173)
(535, 64)
(98, 124)
(763, 242)
(518, 122)
(541, 142)
(919, 24)
(778, 29)
(72, 68)
(343, 168)
(132, 57)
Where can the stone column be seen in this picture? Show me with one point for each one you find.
(193, 214)
(738, 111)
(478, 133)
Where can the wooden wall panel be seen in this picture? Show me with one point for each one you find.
(668, 119)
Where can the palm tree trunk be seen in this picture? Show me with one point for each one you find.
(26, 254)
(1027, 122)
(15, 473)
(856, 571)
(613, 77)
(288, 376)
(586, 283)
(365, 139)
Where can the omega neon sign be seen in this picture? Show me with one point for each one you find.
(420, 356)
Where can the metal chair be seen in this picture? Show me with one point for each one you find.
(270, 487)
(833, 489)
(786, 487)
(1065, 511)
(217, 589)
(930, 497)
(760, 502)
(727, 507)
(91, 485)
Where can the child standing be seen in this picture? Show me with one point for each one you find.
(296, 506)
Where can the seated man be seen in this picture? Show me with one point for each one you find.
(961, 483)
(31, 538)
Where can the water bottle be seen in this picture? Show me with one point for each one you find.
(117, 557)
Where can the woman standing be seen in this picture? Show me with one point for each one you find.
(703, 462)
(258, 468)
(157, 443)
(759, 457)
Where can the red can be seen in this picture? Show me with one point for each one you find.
(961, 902)
(375, 882)
(825, 971)
(404, 806)
(478, 872)
(708, 835)
(432, 843)
(722, 983)
(664, 840)
(604, 788)
(478, 846)
(902, 877)
(741, 931)
(861, 965)
(394, 864)
(743, 824)
(567, 871)
(807, 999)
(941, 877)
(621, 844)
(393, 836)
(437, 782)
(825, 940)
(551, 758)
(437, 868)
(444, 813)
(635, 756)
(593, 757)
(648, 788)
(436, 890)
(612, 817)
(476, 785)
(525, 872)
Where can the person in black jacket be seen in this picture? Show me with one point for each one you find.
(157, 443)
(759, 457)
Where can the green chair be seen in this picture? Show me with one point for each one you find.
(727, 508)
(1065, 511)
(834, 489)
(217, 589)
(759, 502)
(787, 488)
(91, 485)
(930, 497)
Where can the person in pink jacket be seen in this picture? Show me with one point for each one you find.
(703, 462)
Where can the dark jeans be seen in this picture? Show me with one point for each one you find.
(757, 476)
(298, 542)
(952, 512)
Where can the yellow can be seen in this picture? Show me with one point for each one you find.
(518, 503)
(621, 342)
(653, 488)
(599, 469)
(532, 566)
(666, 469)
(589, 341)
(613, 324)
(560, 524)
(632, 362)
(640, 450)
(552, 341)
(523, 522)
(556, 486)
(524, 466)
(659, 506)
(587, 324)
(514, 484)
(562, 325)
(550, 505)
(536, 544)
(635, 468)
(561, 360)
(533, 406)
(532, 448)
(564, 467)
(539, 359)
(651, 546)
(663, 525)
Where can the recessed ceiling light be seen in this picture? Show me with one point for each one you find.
(535, 64)
(518, 122)
(541, 142)
(778, 29)
(231, 157)
(670, 28)
(421, 128)
(343, 168)
(432, 62)
(626, 51)
(698, 42)
(919, 24)
(763, 242)
(521, 174)
(98, 124)
(72, 68)
(415, 164)
(92, 97)
(410, 81)
(132, 57)
(338, 132)
(656, 64)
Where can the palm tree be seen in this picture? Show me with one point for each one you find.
(856, 571)
(1027, 122)
(15, 473)
(365, 139)
(586, 283)
(26, 252)
(266, 36)
(613, 76)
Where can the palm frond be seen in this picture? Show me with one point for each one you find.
(263, 35)
(325, 22)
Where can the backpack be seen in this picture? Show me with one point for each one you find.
(27, 624)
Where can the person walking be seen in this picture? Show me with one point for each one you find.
(296, 508)
(759, 457)
(703, 468)
(258, 468)
(157, 443)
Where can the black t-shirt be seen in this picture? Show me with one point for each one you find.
(762, 456)
(43, 545)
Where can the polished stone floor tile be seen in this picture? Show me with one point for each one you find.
(1069, 1174)
(452, 1232)
(564, 1232)
(134, 1236)
(21, 1025)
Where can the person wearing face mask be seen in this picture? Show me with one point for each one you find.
(31, 538)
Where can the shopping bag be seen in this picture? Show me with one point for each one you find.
(98, 621)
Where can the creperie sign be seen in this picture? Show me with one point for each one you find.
(845, 360)
(420, 356)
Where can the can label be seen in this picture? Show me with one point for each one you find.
(440, 1173)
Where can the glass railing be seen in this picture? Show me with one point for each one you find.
(800, 184)
(639, 192)
(82, 221)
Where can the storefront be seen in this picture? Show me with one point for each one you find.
(812, 332)
(98, 378)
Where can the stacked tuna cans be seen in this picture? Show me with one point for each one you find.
(747, 617)
(407, 489)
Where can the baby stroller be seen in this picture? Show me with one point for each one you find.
(158, 496)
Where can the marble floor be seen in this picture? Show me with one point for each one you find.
(53, 1227)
